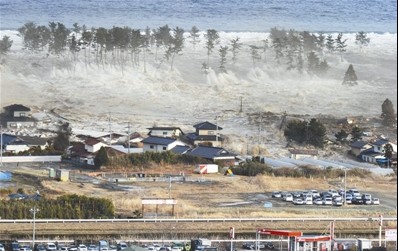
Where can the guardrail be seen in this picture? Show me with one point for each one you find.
(192, 220)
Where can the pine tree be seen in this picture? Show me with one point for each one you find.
(350, 76)
(5, 45)
(194, 35)
(223, 58)
(362, 39)
(212, 37)
(340, 45)
(388, 113)
(235, 47)
(330, 43)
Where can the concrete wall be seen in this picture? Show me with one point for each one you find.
(16, 159)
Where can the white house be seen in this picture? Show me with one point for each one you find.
(171, 132)
(160, 144)
(92, 145)
(303, 153)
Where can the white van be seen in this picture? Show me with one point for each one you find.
(288, 197)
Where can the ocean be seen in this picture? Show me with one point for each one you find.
(379, 16)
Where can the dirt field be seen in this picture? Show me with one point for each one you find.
(216, 195)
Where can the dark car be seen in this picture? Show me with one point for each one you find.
(248, 246)
(357, 201)
(269, 246)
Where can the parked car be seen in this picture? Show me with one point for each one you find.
(298, 201)
(337, 203)
(51, 246)
(288, 197)
(82, 247)
(2, 247)
(112, 248)
(269, 246)
(276, 194)
(25, 248)
(248, 245)
(318, 201)
(64, 248)
(375, 201)
(121, 246)
(92, 247)
(327, 201)
(367, 201)
(72, 248)
(40, 247)
(357, 201)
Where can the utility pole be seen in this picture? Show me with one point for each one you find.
(217, 130)
(241, 104)
(260, 129)
(128, 137)
(380, 228)
(110, 129)
(34, 210)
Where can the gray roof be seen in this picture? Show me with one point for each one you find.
(206, 126)
(209, 152)
(33, 140)
(17, 107)
(180, 149)
(359, 144)
(381, 142)
(164, 141)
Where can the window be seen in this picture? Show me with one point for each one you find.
(164, 133)
(152, 146)
(22, 114)
(164, 148)
(210, 132)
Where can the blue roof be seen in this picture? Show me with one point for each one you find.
(5, 176)
(7, 138)
(164, 141)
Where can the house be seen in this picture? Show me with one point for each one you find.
(171, 132)
(303, 153)
(206, 134)
(16, 144)
(109, 137)
(180, 149)
(372, 157)
(160, 144)
(379, 145)
(358, 147)
(17, 116)
(213, 153)
(92, 145)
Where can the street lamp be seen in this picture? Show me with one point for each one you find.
(34, 210)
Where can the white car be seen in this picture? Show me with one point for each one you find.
(51, 247)
(2, 247)
(82, 247)
(337, 203)
(327, 201)
(318, 202)
(298, 201)
(92, 247)
(375, 201)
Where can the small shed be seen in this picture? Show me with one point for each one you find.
(62, 175)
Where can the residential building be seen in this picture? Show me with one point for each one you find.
(170, 132)
(17, 116)
(160, 144)
(16, 144)
(358, 147)
(206, 134)
(214, 154)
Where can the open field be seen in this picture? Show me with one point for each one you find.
(207, 196)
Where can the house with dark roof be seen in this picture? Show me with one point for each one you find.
(206, 133)
(93, 145)
(180, 149)
(160, 144)
(213, 153)
(17, 116)
(358, 147)
(379, 145)
(170, 132)
(16, 144)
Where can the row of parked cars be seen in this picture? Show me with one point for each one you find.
(51, 246)
(332, 197)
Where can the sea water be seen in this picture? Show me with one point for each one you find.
(378, 16)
